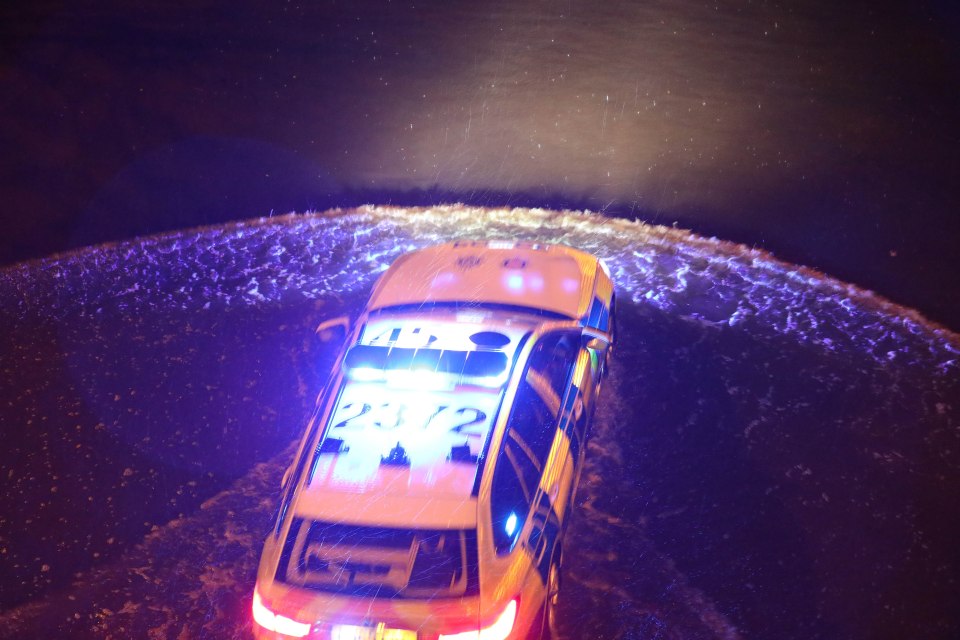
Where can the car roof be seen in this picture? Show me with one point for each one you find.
(396, 392)
(388, 510)
(547, 277)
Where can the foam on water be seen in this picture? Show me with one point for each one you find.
(708, 299)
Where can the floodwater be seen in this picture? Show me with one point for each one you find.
(775, 454)
(825, 132)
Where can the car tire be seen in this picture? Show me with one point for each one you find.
(545, 625)
(550, 626)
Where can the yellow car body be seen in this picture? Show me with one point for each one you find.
(433, 484)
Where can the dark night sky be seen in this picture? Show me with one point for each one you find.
(825, 132)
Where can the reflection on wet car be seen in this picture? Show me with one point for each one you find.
(433, 484)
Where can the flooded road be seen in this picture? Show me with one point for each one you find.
(775, 454)
(825, 133)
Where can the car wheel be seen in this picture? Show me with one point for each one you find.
(545, 626)
(550, 626)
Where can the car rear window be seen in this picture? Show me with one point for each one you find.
(379, 561)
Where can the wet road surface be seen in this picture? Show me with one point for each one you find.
(775, 455)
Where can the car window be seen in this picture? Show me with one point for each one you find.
(371, 561)
(509, 502)
(529, 435)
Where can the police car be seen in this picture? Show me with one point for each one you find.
(433, 485)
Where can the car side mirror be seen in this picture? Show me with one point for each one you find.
(595, 341)
(334, 330)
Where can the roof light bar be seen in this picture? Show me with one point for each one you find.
(436, 367)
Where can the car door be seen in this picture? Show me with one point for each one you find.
(535, 459)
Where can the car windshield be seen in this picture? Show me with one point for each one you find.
(480, 307)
